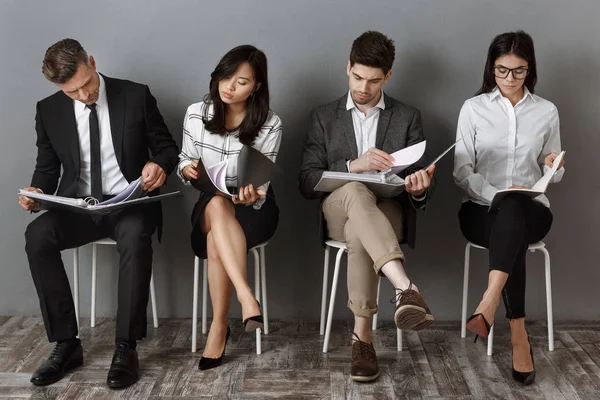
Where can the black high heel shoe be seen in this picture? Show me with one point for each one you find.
(208, 363)
(253, 323)
(479, 325)
(526, 378)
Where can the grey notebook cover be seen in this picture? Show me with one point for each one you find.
(253, 167)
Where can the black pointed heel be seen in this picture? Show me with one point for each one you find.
(526, 378)
(208, 363)
(253, 323)
(479, 325)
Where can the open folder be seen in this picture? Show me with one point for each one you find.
(383, 184)
(253, 167)
(132, 195)
(538, 189)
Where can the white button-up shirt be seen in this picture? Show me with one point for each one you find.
(504, 145)
(365, 126)
(113, 181)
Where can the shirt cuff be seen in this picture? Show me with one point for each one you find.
(180, 167)
(421, 198)
(348, 165)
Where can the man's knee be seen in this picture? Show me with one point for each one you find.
(514, 203)
(38, 236)
(135, 232)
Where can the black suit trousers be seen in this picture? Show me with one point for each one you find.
(54, 231)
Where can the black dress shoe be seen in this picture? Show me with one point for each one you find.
(253, 323)
(526, 378)
(124, 369)
(65, 356)
(208, 363)
(479, 325)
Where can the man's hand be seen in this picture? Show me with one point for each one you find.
(190, 171)
(517, 187)
(549, 161)
(373, 159)
(26, 203)
(248, 195)
(153, 176)
(417, 183)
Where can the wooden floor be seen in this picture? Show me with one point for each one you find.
(436, 364)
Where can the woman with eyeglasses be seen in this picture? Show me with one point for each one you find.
(510, 138)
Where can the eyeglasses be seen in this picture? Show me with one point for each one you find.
(517, 73)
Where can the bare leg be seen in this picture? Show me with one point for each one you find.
(362, 327)
(522, 361)
(491, 297)
(394, 271)
(230, 243)
(220, 294)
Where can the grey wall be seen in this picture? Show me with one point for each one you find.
(441, 47)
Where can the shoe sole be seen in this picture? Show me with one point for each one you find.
(412, 318)
(253, 325)
(70, 366)
(121, 385)
(365, 378)
(477, 326)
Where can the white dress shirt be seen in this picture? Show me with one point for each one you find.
(198, 143)
(504, 145)
(113, 181)
(365, 126)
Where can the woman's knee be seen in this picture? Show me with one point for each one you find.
(219, 205)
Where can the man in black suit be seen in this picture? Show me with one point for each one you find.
(104, 133)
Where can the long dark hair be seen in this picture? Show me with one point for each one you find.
(518, 43)
(257, 105)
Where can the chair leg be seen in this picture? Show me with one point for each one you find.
(94, 270)
(549, 299)
(204, 296)
(463, 322)
(490, 342)
(257, 295)
(153, 301)
(195, 304)
(375, 316)
(324, 292)
(336, 273)
(76, 283)
(398, 330)
(263, 284)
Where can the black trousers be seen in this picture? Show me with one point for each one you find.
(53, 231)
(507, 232)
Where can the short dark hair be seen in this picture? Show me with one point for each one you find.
(257, 105)
(518, 43)
(373, 49)
(62, 59)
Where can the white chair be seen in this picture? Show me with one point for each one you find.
(108, 242)
(532, 248)
(260, 280)
(336, 271)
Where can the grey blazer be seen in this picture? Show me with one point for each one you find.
(331, 142)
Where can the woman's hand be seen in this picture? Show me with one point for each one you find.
(190, 172)
(248, 195)
(549, 161)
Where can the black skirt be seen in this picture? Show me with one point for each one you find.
(258, 225)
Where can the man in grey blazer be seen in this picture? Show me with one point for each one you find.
(357, 133)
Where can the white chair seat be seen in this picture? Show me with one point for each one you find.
(260, 282)
(541, 246)
(326, 329)
(108, 242)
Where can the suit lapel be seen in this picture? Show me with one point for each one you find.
(67, 110)
(383, 124)
(116, 109)
(345, 116)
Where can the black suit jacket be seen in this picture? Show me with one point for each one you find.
(138, 131)
(331, 142)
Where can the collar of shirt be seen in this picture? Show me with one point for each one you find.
(101, 102)
(494, 94)
(380, 104)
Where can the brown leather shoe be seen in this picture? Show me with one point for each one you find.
(412, 314)
(364, 361)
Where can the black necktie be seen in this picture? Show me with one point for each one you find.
(96, 166)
